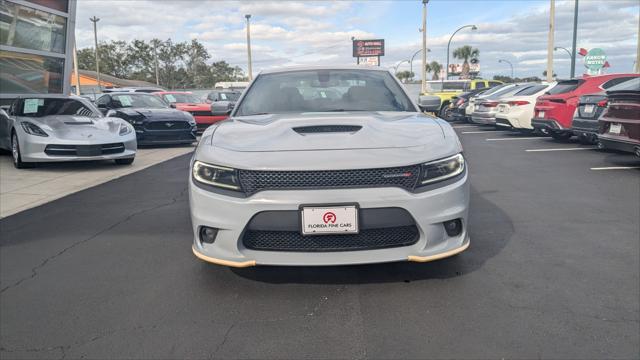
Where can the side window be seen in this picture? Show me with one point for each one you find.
(480, 85)
(103, 100)
(614, 82)
(494, 84)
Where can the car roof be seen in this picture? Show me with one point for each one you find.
(126, 93)
(325, 67)
(172, 92)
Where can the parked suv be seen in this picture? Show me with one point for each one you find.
(620, 123)
(554, 111)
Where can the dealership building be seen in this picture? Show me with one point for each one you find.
(36, 47)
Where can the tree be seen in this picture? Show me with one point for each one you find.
(465, 53)
(405, 75)
(544, 74)
(434, 67)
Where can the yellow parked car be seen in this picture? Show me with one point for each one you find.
(439, 93)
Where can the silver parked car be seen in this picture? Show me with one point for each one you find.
(486, 107)
(48, 128)
(328, 166)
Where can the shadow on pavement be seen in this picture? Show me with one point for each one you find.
(490, 229)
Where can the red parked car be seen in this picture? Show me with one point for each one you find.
(620, 123)
(554, 110)
(190, 103)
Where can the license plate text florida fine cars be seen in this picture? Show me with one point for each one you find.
(329, 220)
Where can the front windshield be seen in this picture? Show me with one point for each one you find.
(137, 101)
(181, 98)
(34, 107)
(229, 96)
(324, 91)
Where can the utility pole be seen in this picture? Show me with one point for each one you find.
(155, 56)
(424, 45)
(75, 69)
(248, 16)
(638, 50)
(95, 38)
(552, 14)
(575, 35)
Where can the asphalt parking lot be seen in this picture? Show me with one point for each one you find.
(552, 272)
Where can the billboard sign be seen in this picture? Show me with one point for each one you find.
(367, 48)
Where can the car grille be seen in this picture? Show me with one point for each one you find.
(365, 240)
(167, 125)
(201, 113)
(253, 181)
(84, 150)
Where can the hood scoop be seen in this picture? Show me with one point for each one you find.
(319, 129)
(84, 122)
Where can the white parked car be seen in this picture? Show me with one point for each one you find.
(517, 111)
(53, 128)
(327, 166)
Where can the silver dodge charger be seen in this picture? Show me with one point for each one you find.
(327, 166)
(51, 128)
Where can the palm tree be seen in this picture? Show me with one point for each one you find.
(434, 67)
(465, 53)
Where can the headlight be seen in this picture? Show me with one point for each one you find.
(32, 129)
(216, 175)
(442, 169)
(124, 129)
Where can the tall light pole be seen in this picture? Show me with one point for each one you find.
(424, 45)
(575, 35)
(413, 56)
(155, 58)
(398, 65)
(510, 64)
(556, 48)
(248, 17)
(552, 15)
(638, 50)
(473, 27)
(95, 38)
(75, 69)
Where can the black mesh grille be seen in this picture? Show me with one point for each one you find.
(84, 150)
(366, 240)
(404, 177)
(168, 125)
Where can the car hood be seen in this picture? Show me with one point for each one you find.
(383, 140)
(303, 132)
(153, 114)
(78, 127)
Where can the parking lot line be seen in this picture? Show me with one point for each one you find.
(515, 138)
(561, 149)
(485, 132)
(615, 168)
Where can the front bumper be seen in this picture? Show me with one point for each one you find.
(429, 209)
(159, 137)
(32, 148)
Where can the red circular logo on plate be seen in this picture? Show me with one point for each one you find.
(329, 217)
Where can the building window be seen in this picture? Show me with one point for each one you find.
(28, 28)
(60, 5)
(30, 74)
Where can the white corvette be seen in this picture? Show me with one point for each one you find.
(51, 128)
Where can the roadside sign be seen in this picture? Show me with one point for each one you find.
(369, 61)
(366, 48)
(595, 60)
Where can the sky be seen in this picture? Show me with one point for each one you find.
(288, 33)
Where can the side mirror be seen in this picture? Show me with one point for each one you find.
(221, 108)
(172, 105)
(429, 103)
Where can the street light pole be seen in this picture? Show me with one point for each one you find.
(413, 56)
(95, 38)
(510, 64)
(575, 35)
(248, 16)
(398, 65)
(552, 15)
(424, 45)
(473, 27)
(155, 57)
(638, 49)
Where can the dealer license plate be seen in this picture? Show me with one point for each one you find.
(541, 114)
(615, 128)
(588, 109)
(330, 220)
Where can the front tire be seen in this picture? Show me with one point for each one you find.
(445, 112)
(128, 161)
(16, 155)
